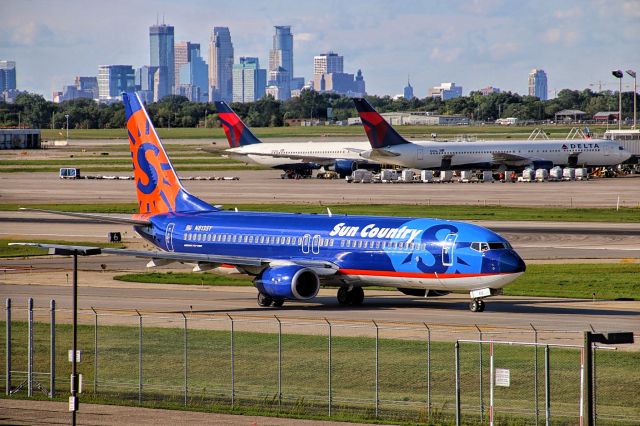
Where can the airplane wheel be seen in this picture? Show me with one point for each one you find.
(277, 303)
(356, 296)
(474, 305)
(480, 305)
(343, 296)
(264, 300)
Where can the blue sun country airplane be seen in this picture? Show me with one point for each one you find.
(292, 255)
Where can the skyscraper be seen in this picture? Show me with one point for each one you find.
(281, 61)
(8, 71)
(220, 65)
(113, 80)
(249, 81)
(194, 79)
(182, 55)
(408, 90)
(538, 84)
(162, 56)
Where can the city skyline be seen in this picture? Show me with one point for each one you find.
(473, 43)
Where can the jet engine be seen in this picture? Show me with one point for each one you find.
(288, 282)
(345, 167)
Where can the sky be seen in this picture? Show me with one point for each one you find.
(474, 43)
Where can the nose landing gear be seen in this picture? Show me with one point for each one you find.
(476, 305)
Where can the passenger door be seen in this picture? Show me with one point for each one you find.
(448, 246)
(306, 243)
(168, 236)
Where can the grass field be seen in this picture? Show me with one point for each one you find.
(606, 281)
(424, 132)
(21, 251)
(456, 212)
(402, 373)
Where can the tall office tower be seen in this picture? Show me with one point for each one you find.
(144, 82)
(162, 56)
(113, 80)
(87, 86)
(182, 55)
(281, 56)
(194, 79)
(408, 90)
(8, 70)
(220, 65)
(538, 84)
(249, 81)
(359, 86)
(326, 63)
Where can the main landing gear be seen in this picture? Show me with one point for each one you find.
(266, 301)
(476, 305)
(353, 296)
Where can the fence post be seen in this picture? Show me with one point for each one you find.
(8, 346)
(480, 358)
(491, 384)
(186, 359)
(547, 388)
(233, 373)
(329, 362)
(279, 361)
(535, 370)
(377, 370)
(139, 358)
(95, 351)
(30, 351)
(457, 361)
(428, 370)
(52, 360)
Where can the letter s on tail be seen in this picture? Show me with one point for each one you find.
(157, 185)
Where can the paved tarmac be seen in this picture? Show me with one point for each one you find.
(265, 186)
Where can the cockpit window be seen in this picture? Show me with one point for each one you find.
(482, 247)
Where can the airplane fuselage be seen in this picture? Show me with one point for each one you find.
(430, 155)
(368, 250)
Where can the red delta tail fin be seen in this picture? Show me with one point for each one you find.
(379, 132)
(157, 185)
(238, 134)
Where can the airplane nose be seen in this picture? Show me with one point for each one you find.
(511, 262)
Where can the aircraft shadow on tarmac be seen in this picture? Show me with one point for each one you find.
(377, 303)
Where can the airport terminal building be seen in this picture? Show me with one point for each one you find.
(20, 139)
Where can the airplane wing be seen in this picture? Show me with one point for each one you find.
(513, 159)
(378, 153)
(252, 264)
(93, 217)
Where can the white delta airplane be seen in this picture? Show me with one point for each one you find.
(302, 157)
(388, 147)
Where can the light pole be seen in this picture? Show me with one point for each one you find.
(635, 89)
(618, 74)
(67, 117)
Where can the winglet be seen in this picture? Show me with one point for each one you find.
(379, 132)
(238, 134)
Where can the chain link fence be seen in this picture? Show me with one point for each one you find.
(344, 369)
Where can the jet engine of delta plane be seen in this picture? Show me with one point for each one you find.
(345, 168)
(279, 283)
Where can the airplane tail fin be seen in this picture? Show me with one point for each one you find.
(379, 132)
(157, 185)
(238, 134)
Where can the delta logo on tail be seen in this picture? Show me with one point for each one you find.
(238, 134)
(379, 132)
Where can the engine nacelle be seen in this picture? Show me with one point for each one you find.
(288, 282)
(542, 164)
(345, 167)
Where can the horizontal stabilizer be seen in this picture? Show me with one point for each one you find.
(99, 218)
